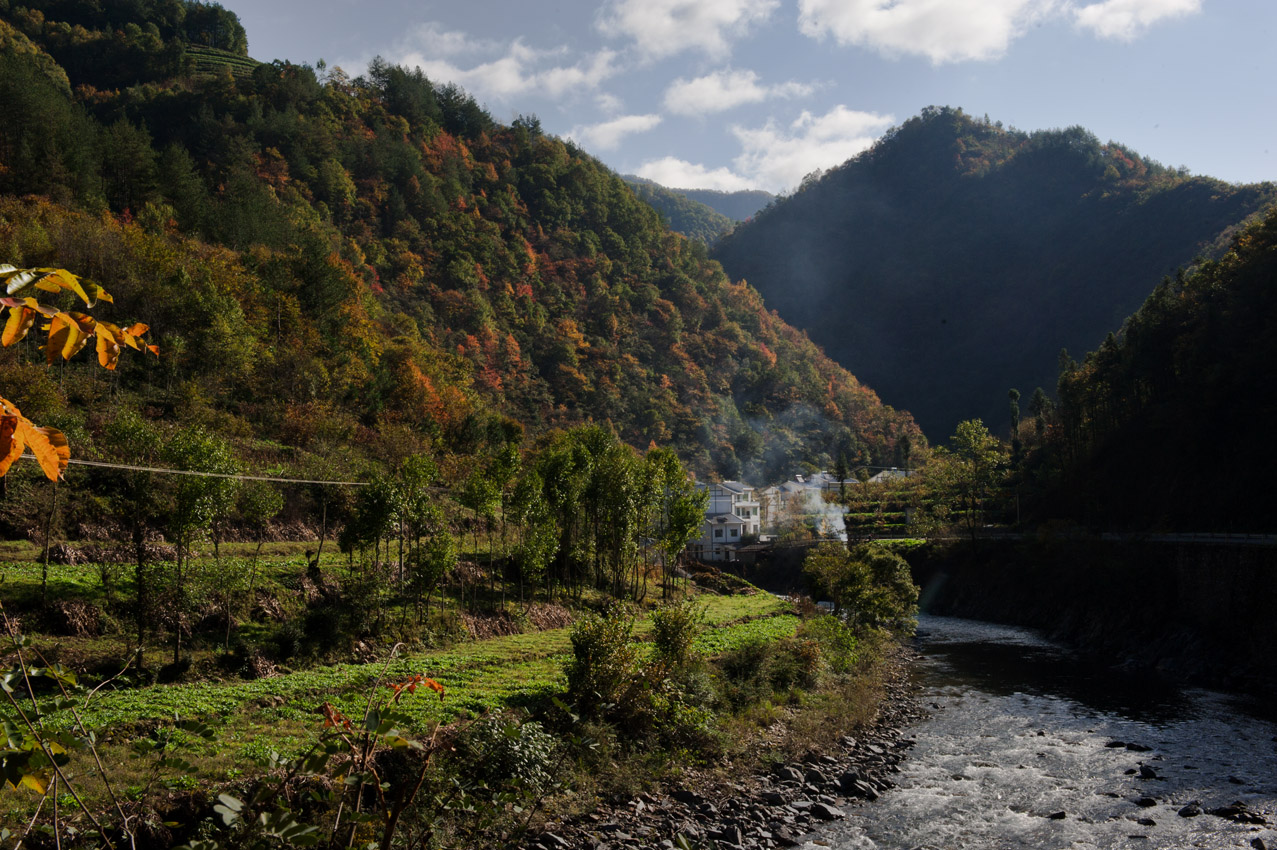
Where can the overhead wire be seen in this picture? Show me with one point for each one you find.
(239, 477)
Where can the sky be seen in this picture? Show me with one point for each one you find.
(757, 94)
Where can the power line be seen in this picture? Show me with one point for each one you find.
(237, 477)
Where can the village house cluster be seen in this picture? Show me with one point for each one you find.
(740, 519)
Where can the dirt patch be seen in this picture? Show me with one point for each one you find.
(75, 618)
(268, 607)
(61, 553)
(546, 616)
(123, 553)
(484, 626)
(541, 616)
(722, 583)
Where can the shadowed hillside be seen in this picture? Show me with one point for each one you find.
(956, 258)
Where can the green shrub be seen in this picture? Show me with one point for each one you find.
(674, 631)
(502, 751)
(757, 670)
(869, 585)
(288, 641)
(837, 642)
(604, 673)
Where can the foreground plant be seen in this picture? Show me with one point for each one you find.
(354, 802)
(68, 333)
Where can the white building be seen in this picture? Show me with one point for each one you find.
(732, 513)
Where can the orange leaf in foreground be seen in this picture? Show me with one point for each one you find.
(10, 445)
(17, 433)
(20, 321)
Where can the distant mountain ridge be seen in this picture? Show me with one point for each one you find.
(955, 258)
(683, 215)
(738, 206)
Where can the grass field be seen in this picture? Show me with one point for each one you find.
(259, 720)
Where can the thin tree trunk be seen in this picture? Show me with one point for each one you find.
(48, 536)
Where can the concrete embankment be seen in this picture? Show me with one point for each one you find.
(1203, 613)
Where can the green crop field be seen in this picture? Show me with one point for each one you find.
(211, 60)
(477, 676)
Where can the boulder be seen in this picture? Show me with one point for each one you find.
(824, 811)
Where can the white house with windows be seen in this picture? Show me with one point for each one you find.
(732, 514)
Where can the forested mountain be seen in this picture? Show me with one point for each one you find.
(955, 258)
(372, 263)
(1166, 425)
(738, 206)
(690, 218)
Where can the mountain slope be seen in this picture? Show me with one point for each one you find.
(955, 259)
(386, 259)
(690, 218)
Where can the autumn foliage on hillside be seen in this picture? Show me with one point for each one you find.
(325, 257)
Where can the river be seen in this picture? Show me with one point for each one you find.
(1021, 730)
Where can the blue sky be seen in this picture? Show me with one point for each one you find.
(734, 94)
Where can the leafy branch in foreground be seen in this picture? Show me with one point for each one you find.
(68, 333)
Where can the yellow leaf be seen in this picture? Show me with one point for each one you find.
(86, 326)
(36, 783)
(20, 321)
(154, 349)
(138, 329)
(49, 445)
(97, 293)
(63, 333)
(18, 280)
(121, 337)
(42, 309)
(68, 333)
(108, 348)
(63, 279)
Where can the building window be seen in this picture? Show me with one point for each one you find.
(733, 532)
(718, 532)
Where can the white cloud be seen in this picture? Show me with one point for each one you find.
(431, 39)
(516, 71)
(777, 158)
(608, 102)
(1125, 19)
(608, 135)
(723, 90)
(662, 28)
(681, 174)
(941, 30)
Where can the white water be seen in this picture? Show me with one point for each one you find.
(1020, 733)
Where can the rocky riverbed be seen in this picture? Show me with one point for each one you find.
(762, 810)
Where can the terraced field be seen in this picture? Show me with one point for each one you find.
(210, 60)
